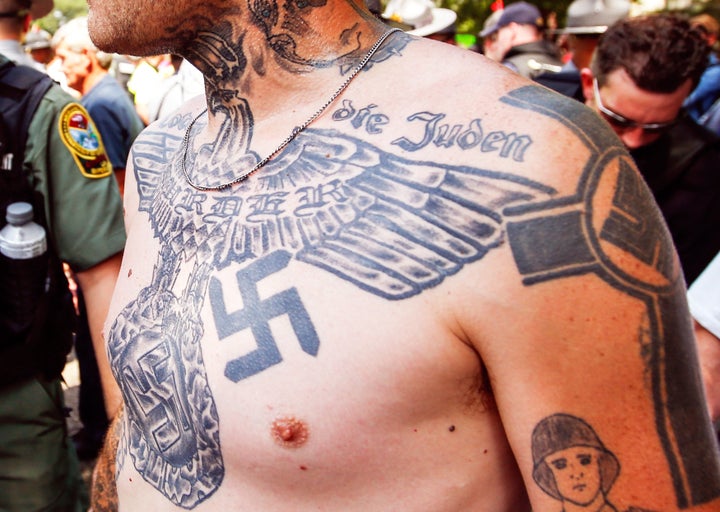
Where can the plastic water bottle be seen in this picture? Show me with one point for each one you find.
(23, 271)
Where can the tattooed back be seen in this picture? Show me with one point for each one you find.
(451, 291)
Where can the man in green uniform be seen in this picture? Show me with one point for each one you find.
(66, 163)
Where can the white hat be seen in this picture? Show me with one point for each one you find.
(421, 16)
(37, 39)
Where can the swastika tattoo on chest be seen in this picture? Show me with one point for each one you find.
(390, 226)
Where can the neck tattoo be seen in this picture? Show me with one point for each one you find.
(289, 138)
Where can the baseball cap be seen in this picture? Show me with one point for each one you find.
(491, 21)
(522, 13)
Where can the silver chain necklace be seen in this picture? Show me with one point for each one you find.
(289, 138)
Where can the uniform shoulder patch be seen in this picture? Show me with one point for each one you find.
(83, 141)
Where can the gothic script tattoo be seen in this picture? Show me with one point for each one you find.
(440, 134)
(390, 226)
(172, 429)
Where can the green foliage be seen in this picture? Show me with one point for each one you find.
(64, 11)
(473, 13)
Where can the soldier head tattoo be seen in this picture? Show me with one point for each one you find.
(570, 463)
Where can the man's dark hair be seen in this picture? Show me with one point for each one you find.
(660, 52)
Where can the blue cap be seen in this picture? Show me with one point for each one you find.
(522, 13)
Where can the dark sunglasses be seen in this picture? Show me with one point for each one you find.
(624, 123)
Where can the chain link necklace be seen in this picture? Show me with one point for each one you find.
(289, 138)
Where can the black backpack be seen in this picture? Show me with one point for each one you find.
(43, 345)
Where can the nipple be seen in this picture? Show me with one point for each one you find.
(289, 432)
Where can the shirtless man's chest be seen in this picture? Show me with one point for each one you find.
(282, 340)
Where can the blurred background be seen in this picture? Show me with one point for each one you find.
(471, 13)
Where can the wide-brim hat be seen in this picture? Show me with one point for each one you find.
(593, 16)
(37, 39)
(419, 17)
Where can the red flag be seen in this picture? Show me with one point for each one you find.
(497, 5)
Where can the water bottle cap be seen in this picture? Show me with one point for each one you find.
(19, 213)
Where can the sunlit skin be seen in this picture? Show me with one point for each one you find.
(509, 36)
(577, 474)
(322, 334)
(491, 49)
(620, 94)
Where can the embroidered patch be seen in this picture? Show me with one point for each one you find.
(81, 137)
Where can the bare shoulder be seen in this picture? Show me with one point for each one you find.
(473, 110)
(588, 304)
(574, 265)
(458, 190)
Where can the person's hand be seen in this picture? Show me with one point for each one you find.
(709, 353)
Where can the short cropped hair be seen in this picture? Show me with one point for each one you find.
(660, 52)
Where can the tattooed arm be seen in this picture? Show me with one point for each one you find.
(97, 284)
(596, 374)
(103, 492)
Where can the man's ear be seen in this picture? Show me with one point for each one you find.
(586, 81)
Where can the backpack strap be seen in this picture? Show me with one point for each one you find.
(22, 88)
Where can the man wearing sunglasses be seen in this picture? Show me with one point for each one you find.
(642, 71)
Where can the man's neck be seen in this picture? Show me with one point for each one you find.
(289, 63)
(597, 505)
(92, 79)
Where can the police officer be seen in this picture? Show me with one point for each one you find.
(67, 166)
(15, 20)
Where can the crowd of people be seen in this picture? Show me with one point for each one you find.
(295, 284)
